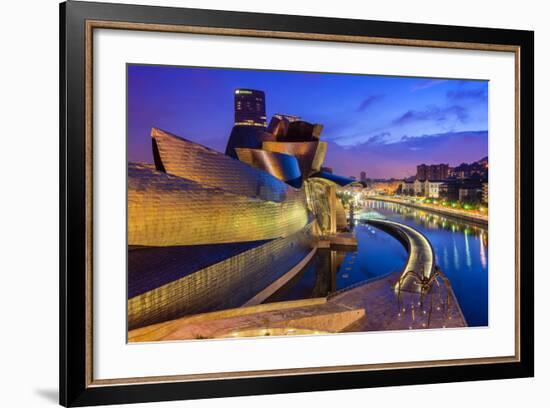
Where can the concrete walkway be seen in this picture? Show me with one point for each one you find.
(383, 311)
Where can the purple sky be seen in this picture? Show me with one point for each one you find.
(379, 124)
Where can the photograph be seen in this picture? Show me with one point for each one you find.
(268, 203)
(256, 202)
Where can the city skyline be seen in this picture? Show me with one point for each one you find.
(382, 125)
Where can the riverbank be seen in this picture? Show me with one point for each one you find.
(480, 220)
(370, 306)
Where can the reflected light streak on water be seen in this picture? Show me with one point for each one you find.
(467, 247)
(467, 271)
(482, 251)
(379, 254)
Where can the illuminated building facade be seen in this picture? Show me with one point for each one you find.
(407, 187)
(432, 188)
(170, 282)
(164, 210)
(250, 108)
(485, 192)
(209, 231)
(432, 172)
(419, 187)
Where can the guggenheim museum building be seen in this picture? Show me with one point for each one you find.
(209, 231)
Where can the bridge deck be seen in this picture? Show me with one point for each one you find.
(421, 256)
(379, 297)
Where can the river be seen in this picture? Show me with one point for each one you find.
(461, 251)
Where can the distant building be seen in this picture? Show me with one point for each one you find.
(407, 187)
(461, 172)
(384, 187)
(363, 177)
(421, 172)
(432, 172)
(449, 190)
(465, 190)
(418, 187)
(250, 108)
(485, 192)
(327, 169)
(432, 188)
(468, 194)
(465, 170)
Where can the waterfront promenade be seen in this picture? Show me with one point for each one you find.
(468, 216)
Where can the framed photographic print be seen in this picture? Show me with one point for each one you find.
(256, 203)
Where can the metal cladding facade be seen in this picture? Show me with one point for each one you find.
(246, 137)
(167, 210)
(300, 131)
(222, 285)
(192, 161)
(310, 155)
(282, 166)
(341, 181)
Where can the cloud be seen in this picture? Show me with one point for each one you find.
(429, 83)
(369, 101)
(399, 159)
(433, 113)
(478, 94)
(378, 138)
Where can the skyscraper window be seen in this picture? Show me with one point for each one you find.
(250, 108)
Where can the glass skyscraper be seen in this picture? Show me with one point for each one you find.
(250, 108)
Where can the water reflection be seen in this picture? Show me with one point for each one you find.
(468, 269)
(379, 254)
(330, 270)
(482, 251)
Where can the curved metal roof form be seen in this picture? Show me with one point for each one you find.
(340, 180)
(186, 159)
(282, 166)
(310, 155)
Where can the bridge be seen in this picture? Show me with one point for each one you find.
(421, 255)
(385, 308)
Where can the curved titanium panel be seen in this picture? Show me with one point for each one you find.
(208, 167)
(222, 285)
(246, 136)
(310, 155)
(341, 221)
(279, 165)
(340, 180)
(301, 131)
(167, 210)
